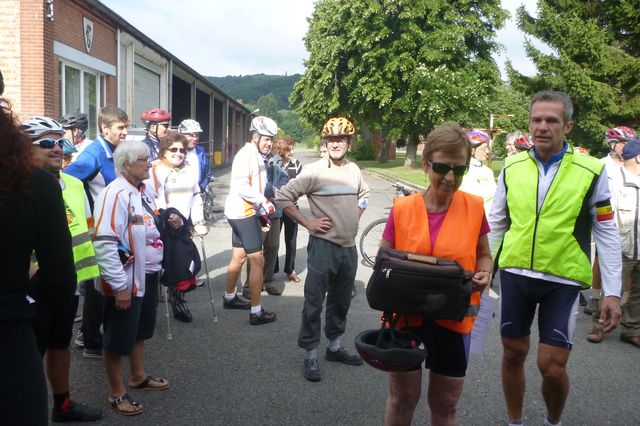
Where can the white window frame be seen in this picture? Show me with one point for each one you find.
(101, 90)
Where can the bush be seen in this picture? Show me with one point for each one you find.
(363, 151)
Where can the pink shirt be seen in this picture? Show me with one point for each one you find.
(435, 223)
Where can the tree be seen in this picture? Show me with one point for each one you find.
(268, 106)
(399, 66)
(595, 59)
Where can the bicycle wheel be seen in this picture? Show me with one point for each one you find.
(208, 208)
(370, 241)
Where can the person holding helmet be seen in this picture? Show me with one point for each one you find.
(247, 210)
(53, 331)
(617, 138)
(75, 125)
(196, 155)
(337, 195)
(157, 121)
(479, 180)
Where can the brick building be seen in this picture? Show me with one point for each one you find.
(60, 56)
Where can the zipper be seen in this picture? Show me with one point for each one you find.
(535, 228)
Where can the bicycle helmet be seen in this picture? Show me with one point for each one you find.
(75, 120)
(38, 126)
(189, 126)
(68, 148)
(523, 143)
(389, 349)
(338, 126)
(264, 126)
(619, 134)
(155, 115)
(477, 138)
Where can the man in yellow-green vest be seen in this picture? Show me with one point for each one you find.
(548, 203)
(53, 332)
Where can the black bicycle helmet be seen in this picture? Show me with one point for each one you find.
(389, 349)
(75, 120)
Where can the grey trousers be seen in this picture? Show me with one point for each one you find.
(331, 270)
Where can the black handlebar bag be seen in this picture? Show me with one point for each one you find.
(410, 283)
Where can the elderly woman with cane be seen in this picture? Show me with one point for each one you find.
(129, 254)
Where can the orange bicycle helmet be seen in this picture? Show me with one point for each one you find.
(338, 126)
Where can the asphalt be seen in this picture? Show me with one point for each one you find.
(231, 373)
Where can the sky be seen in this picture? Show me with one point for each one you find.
(242, 37)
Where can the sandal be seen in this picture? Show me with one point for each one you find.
(117, 404)
(148, 384)
(292, 277)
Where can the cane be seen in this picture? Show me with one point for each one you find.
(206, 269)
(166, 305)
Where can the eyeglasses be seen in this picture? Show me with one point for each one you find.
(338, 142)
(443, 169)
(50, 143)
(174, 150)
(165, 125)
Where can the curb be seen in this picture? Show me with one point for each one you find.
(394, 179)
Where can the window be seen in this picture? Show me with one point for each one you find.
(81, 90)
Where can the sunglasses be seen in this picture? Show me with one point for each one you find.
(50, 143)
(174, 150)
(443, 169)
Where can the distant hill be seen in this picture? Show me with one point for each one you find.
(250, 88)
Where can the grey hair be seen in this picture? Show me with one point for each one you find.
(513, 136)
(129, 152)
(554, 96)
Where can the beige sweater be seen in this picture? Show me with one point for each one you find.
(333, 192)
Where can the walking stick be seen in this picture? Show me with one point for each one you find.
(166, 305)
(206, 269)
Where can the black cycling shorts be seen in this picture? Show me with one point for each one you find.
(247, 234)
(447, 351)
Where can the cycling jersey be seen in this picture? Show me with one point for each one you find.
(94, 167)
(248, 182)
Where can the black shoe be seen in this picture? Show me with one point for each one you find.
(312, 370)
(263, 317)
(235, 303)
(184, 316)
(77, 412)
(341, 355)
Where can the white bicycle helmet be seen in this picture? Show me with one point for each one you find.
(38, 126)
(264, 126)
(189, 126)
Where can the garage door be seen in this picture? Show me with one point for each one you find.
(146, 92)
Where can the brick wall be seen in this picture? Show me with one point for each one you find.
(10, 51)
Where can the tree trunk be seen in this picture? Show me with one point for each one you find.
(384, 151)
(410, 157)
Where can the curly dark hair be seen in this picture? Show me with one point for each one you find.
(169, 139)
(15, 155)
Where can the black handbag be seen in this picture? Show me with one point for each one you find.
(410, 283)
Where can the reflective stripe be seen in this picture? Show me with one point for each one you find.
(473, 310)
(106, 238)
(86, 262)
(76, 240)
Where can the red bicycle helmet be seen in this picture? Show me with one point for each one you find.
(155, 115)
(523, 143)
(388, 349)
(619, 134)
(477, 137)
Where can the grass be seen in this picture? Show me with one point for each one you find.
(397, 170)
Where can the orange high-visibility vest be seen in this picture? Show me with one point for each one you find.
(457, 240)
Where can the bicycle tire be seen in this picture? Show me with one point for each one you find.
(370, 241)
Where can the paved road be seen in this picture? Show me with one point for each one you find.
(231, 373)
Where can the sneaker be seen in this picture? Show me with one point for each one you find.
(263, 317)
(595, 335)
(312, 370)
(592, 306)
(77, 412)
(79, 341)
(92, 353)
(341, 355)
(235, 303)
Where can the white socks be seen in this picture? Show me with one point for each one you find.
(334, 345)
(311, 354)
(256, 309)
(229, 296)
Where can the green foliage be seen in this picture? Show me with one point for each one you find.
(290, 122)
(595, 59)
(250, 88)
(363, 151)
(268, 106)
(400, 66)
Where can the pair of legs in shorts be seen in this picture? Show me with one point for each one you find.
(447, 359)
(558, 307)
(124, 334)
